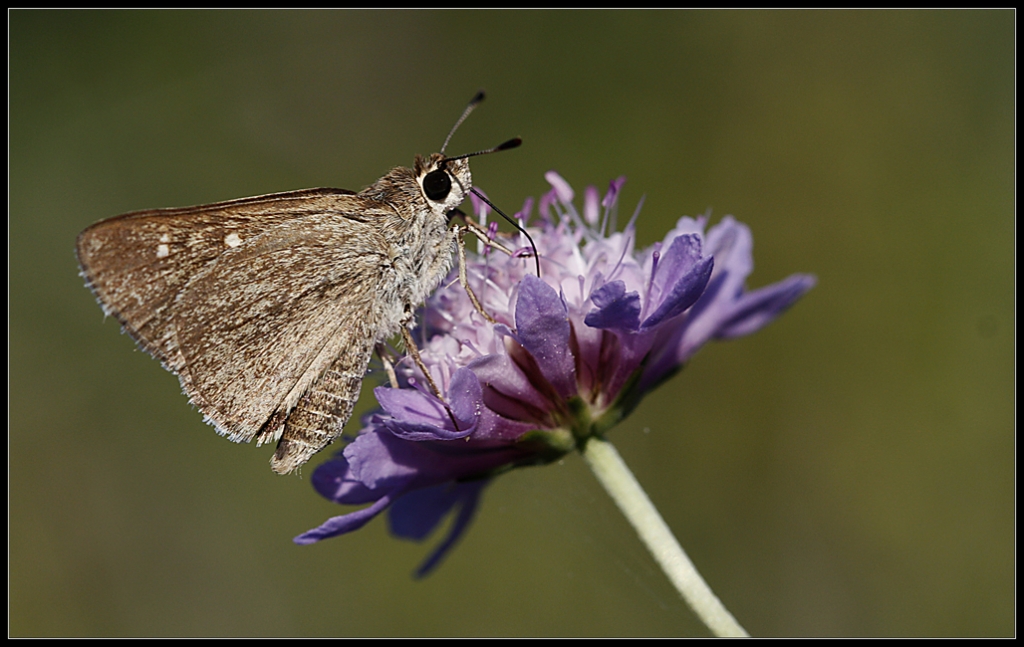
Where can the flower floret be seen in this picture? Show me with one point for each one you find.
(572, 352)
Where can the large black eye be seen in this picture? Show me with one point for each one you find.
(437, 185)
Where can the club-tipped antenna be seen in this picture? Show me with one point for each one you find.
(515, 142)
(473, 103)
(536, 254)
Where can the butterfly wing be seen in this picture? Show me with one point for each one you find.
(261, 306)
(322, 412)
(138, 264)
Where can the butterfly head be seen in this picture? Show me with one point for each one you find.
(444, 182)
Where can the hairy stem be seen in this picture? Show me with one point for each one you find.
(623, 487)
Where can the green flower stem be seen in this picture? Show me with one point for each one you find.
(623, 487)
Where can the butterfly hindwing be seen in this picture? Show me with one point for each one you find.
(253, 347)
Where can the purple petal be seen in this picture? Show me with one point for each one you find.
(561, 187)
(420, 432)
(542, 324)
(470, 501)
(333, 480)
(494, 426)
(510, 394)
(410, 405)
(465, 396)
(384, 462)
(732, 245)
(417, 513)
(684, 293)
(671, 264)
(500, 372)
(380, 460)
(345, 523)
(616, 309)
(420, 416)
(757, 309)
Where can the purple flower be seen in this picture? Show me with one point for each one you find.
(571, 354)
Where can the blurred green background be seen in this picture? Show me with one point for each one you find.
(849, 471)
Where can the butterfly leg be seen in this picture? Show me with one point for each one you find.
(485, 236)
(464, 280)
(414, 352)
(389, 366)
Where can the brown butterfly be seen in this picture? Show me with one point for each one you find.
(268, 308)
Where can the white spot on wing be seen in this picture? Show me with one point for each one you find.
(165, 238)
(232, 240)
(162, 250)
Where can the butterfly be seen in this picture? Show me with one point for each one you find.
(268, 308)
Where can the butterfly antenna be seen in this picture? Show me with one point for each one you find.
(473, 103)
(515, 142)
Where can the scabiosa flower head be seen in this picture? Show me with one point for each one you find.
(573, 351)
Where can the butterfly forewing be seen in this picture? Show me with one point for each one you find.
(137, 264)
(248, 303)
